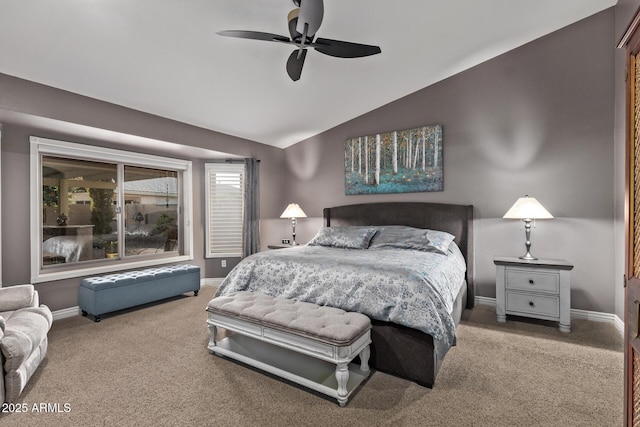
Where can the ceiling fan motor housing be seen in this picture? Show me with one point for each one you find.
(293, 24)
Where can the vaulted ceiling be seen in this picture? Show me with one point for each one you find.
(165, 58)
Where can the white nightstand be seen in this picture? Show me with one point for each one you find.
(539, 288)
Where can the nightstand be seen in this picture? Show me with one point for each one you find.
(534, 288)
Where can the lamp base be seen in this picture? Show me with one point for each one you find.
(528, 257)
(527, 232)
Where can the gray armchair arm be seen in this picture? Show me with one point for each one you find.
(16, 297)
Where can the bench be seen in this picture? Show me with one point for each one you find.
(104, 294)
(301, 342)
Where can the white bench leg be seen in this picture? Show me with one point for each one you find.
(364, 359)
(213, 330)
(342, 375)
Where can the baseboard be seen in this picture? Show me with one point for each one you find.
(486, 301)
(575, 313)
(75, 311)
(211, 281)
(594, 316)
(66, 312)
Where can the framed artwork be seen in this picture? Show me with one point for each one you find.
(404, 161)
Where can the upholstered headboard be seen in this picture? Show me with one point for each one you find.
(454, 219)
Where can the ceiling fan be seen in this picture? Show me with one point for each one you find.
(304, 21)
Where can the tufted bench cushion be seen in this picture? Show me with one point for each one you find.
(327, 324)
(125, 278)
(112, 292)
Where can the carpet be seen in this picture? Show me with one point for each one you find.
(149, 366)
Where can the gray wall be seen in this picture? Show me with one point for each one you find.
(537, 120)
(31, 109)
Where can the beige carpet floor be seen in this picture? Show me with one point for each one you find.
(150, 367)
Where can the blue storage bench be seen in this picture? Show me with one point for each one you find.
(104, 294)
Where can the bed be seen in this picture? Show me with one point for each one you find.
(403, 336)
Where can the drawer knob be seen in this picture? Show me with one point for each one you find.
(531, 281)
(531, 304)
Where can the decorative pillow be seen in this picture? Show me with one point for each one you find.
(440, 240)
(349, 237)
(404, 237)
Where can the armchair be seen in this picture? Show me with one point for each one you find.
(24, 325)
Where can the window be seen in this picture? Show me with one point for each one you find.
(150, 211)
(97, 210)
(225, 209)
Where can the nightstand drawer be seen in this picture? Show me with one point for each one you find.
(533, 304)
(533, 280)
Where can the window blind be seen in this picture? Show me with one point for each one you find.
(225, 205)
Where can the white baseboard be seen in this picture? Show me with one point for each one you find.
(211, 281)
(486, 301)
(575, 313)
(66, 312)
(594, 316)
(75, 311)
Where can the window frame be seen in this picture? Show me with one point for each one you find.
(44, 146)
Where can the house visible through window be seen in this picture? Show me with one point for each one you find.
(225, 207)
(99, 209)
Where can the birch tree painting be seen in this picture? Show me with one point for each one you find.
(403, 161)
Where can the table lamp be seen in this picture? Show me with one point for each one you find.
(293, 211)
(527, 209)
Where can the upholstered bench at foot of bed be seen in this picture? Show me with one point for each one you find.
(113, 292)
(302, 342)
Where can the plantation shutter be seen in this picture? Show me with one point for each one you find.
(224, 201)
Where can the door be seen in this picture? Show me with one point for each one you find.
(632, 234)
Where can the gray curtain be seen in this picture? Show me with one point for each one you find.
(251, 223)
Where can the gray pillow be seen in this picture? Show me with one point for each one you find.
(349, 237)
(404, 237)
(440, 241)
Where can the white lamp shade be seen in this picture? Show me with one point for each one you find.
(527, 208)
(293, 211)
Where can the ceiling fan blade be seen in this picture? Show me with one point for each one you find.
(311, 13)
(255, 35)
(295, 63)
(342, 49)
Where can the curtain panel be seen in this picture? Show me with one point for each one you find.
(251, 223)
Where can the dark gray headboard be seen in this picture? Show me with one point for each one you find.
(454, 219)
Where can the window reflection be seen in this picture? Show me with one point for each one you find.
(78, 218)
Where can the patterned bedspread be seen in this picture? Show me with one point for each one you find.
(408, 287)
